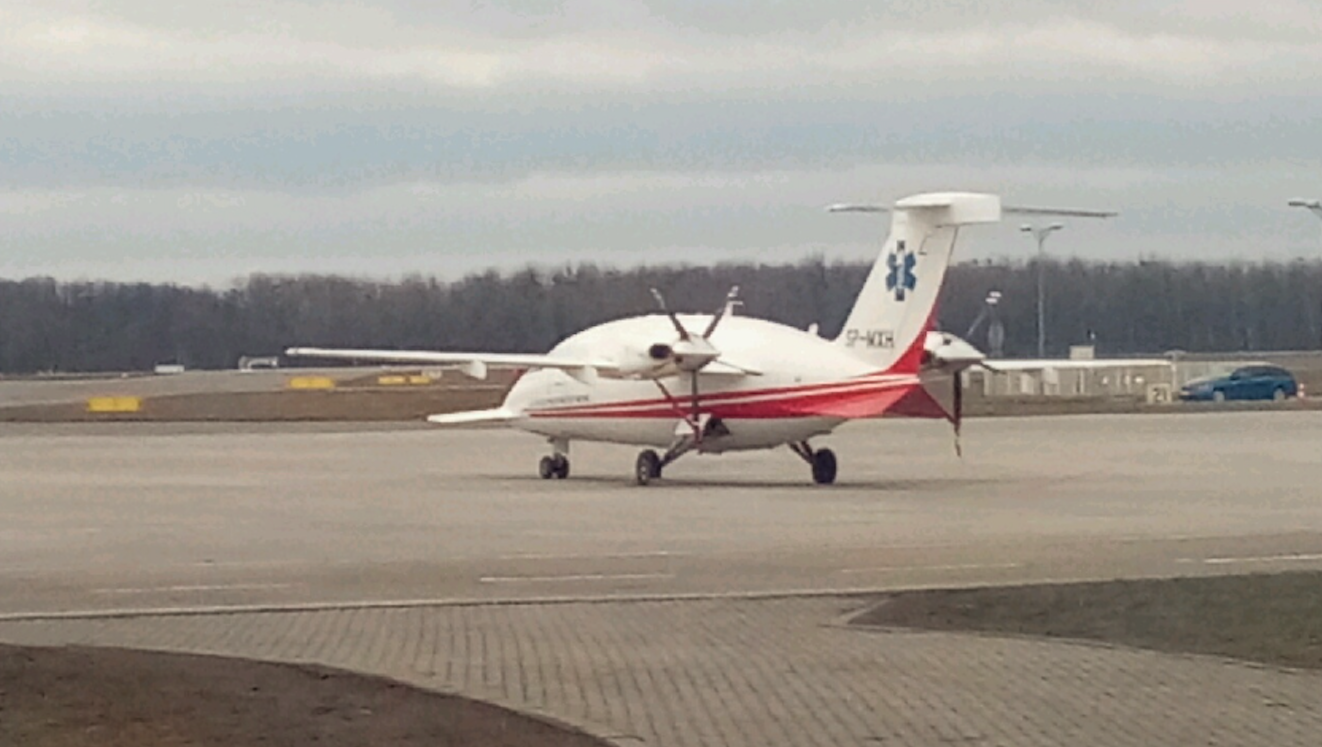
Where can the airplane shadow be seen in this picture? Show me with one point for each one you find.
(849, 486)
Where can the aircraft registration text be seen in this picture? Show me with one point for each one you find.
(871, 338)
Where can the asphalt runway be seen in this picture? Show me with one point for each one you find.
(187, 517)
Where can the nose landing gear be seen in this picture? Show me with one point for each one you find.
(557, 464)
(647, 468)
(822, 462)
(553, 466)
(649, 464)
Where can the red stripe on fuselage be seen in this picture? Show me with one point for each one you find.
(872, 379)
(835, 400)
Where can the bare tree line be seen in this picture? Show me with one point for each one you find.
(1125, 308)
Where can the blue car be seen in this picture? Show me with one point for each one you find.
(1248, 382)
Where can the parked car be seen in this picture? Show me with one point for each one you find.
(1247, 382)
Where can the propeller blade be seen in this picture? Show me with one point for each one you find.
(958, 418)
(661, 302)
(660, 299)
(720, 313)
(693, 379)
(695, 410)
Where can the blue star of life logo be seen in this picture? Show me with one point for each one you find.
(901, 277)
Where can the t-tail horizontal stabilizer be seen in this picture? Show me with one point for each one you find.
(1005, 210)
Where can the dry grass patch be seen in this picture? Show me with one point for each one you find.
(1269, 618)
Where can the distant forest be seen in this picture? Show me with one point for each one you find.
(1124, 308)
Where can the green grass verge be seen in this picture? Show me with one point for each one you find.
(1274, 619)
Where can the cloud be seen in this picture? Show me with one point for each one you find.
(600, 46)
(390, 135)
(631, 218)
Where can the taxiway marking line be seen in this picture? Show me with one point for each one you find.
(194, 587)
(247, 563)
(592, 556)
(520, 601)
(949, 567)
(573, 577)
(1294, 558)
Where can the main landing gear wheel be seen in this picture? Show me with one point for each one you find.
(553, 466)
(647, 468)
(823, 466)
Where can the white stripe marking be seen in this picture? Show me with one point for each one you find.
(575, 577)
(591, 556)
(952, 567)
(244, 563)
(1301, 557)
(198, 587)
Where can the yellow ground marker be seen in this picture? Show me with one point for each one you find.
(395, 380)
(114, 404)
(311, 382)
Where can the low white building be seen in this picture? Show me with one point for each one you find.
(1152, 378)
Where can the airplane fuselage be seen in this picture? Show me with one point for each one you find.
(799, 375)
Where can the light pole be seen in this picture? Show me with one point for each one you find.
(989, 304)
(1314, 207)
(995, 330)
(1041, 233)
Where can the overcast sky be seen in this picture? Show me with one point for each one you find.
(199, 142)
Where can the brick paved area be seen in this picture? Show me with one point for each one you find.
(759, 673)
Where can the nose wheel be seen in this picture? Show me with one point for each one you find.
(556, 466)
(823, 466)
(647, 468)
(649, 464)
(822, 462)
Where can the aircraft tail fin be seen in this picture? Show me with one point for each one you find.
(889, 322)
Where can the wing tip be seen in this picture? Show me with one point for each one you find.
(497, 416)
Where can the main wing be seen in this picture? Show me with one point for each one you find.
(474, 364)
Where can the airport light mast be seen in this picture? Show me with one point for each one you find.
(1041, 233)
(1314, 207)
(988, 305)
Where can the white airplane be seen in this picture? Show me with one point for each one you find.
(715, 383)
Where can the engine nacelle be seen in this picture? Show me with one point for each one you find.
(692, 354)
(652, 361)
(663, 359)
(948, 353)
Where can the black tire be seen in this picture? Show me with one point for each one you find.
(823, 466)
(647, 468)
(561, 466)
(1218, 396)
(1279, 394)
(546, 468)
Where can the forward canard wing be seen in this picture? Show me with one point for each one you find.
(475, 418)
